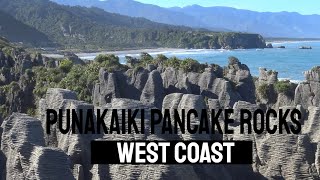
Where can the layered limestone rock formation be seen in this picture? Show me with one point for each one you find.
(267, 77)
(307, 93)
(151, 87)
(27, 151)
(74, 145)
(27, 157)
(239, 74)
(16, 93)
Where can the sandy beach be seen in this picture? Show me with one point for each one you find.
(123, 52)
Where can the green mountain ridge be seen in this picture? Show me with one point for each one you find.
(94, 29)
(16, 31)
(268, 24)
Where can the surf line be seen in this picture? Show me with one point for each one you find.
(192, 121)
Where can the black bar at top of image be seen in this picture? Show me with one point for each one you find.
(106, 152)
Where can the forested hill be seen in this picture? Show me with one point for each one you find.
(268, 24)
(16, 31)
(93, 28)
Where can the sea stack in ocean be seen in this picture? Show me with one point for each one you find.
(269, 45)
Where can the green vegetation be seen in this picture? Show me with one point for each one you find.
(79, 78)
(161, 59)
(285, 87)
(3, 111)
(66, 65)
(173, 62)
(12, 87)
(31, 112)
(110, 62)
(143, 61)
(191, 65)
(46, 78)
(263, 90)
(92, 29)
(6, 47)
(187, 65)
(82, 78)
(4, 43)
(16, 31)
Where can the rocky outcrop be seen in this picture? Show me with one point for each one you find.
(110, 88)
(280, 156)
(2, 165)
(49, 163)
(305, 47)
(153, 91)
(287, 157)
(275, 156)
(311, 126)
(73, 58)
(240, 75)
(307, 93)
(23, 144)
(267, 76)
(196, 102)
(283, 100)
(74, 145)
(269, 45)
(138, 79)
(230, 85)
(175, 81)
(240, 41)
(17, 82)
(267, 94)
(29, 152)
(313, 75)
(151, 87)
(120, 85)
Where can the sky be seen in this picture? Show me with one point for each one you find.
(300, 6)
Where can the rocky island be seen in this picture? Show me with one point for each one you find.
(305, 47)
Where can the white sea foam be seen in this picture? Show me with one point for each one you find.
(87, 57)
(291, 80)
(296, 81)
(290, 42)
(53, 55)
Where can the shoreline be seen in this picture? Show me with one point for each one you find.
(216, 55)
(119, 52)
(166, 50)
(135, 51)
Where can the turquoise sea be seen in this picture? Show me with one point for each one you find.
(290, 62)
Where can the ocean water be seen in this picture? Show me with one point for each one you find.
(290, 62)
